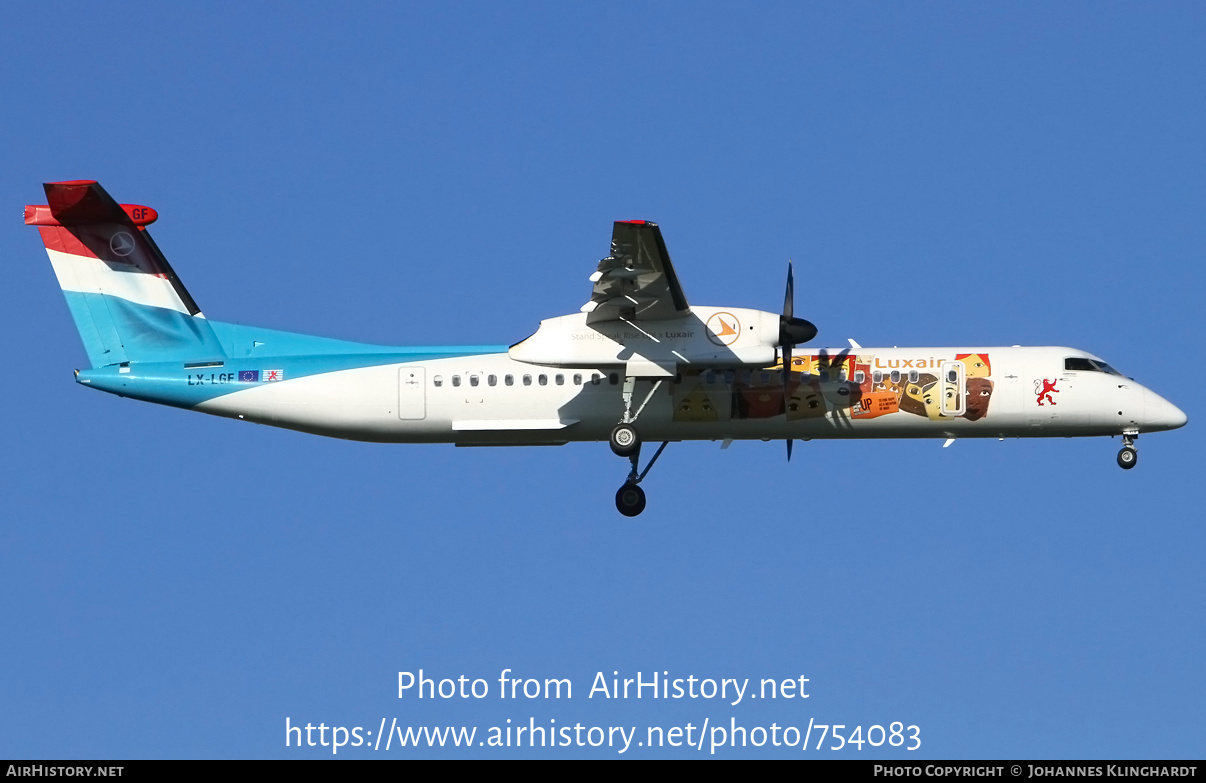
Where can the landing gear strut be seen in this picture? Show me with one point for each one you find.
(625, 441)
(630, 498)
(1128, 456)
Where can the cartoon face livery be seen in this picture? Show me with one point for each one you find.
(887, 385)
(800, 364)
(913, 399)
(757, 401)
(695, 405)
(979, 393)
(806, 402)
(977, 365)
(950, 397)
(931, 396)
(831, 369)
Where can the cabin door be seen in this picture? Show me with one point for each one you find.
(412, 392)
(951, 388)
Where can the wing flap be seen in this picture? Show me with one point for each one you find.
(637, 280)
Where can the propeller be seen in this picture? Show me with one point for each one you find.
(792, 332)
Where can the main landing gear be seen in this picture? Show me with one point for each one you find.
(1128, 456)
(625, 441)
(630, 498)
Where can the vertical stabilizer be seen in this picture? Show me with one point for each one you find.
(126, 300)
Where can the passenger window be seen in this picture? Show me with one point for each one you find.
(709, 377)
(560, 379)
(728, 376)
(543, 379)
(509, 380)
(473, 380)
(613, 379)
(895, 376)
(860, 376)
(577, 379)
(746, 375)
(913, 376)
(595, 378)
(765, 376)
(438, 381)
(527, 380)
(877, 377)
(492, 380)
(456, 380)
(825, 375)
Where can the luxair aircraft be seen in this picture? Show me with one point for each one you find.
(636, 363)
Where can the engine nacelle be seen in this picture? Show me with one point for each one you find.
(713, 337)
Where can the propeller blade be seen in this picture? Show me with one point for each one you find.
(789, 298)
(786, 374)
(793, 331)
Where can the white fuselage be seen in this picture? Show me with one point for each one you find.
(493, 399)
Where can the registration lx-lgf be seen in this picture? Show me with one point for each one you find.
(637, 363)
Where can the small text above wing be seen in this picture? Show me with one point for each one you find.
(636, 281)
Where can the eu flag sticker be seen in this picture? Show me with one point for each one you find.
(249, 376)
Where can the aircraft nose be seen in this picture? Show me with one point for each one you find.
(1164, 414)
(1173, 416)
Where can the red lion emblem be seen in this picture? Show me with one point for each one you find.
(1048, 388)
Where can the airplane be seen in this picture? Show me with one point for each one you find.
(636, 363)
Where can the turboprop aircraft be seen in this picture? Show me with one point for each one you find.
(636, 363)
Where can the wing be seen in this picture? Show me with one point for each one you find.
(636, 281)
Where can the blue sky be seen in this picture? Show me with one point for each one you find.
(176, 585)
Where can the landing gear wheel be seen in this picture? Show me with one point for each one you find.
(625, 441)
(1127, 458)
(630, 500)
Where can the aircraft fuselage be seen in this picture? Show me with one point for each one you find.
(452, 396)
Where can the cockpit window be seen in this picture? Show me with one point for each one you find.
(1084, 364)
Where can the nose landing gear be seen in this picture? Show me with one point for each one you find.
(1128, 456)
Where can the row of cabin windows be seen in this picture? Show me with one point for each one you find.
(765, 377)
(746, 377)
(893, 377)
(541, 380)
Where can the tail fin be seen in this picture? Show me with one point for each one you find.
(127, 303)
